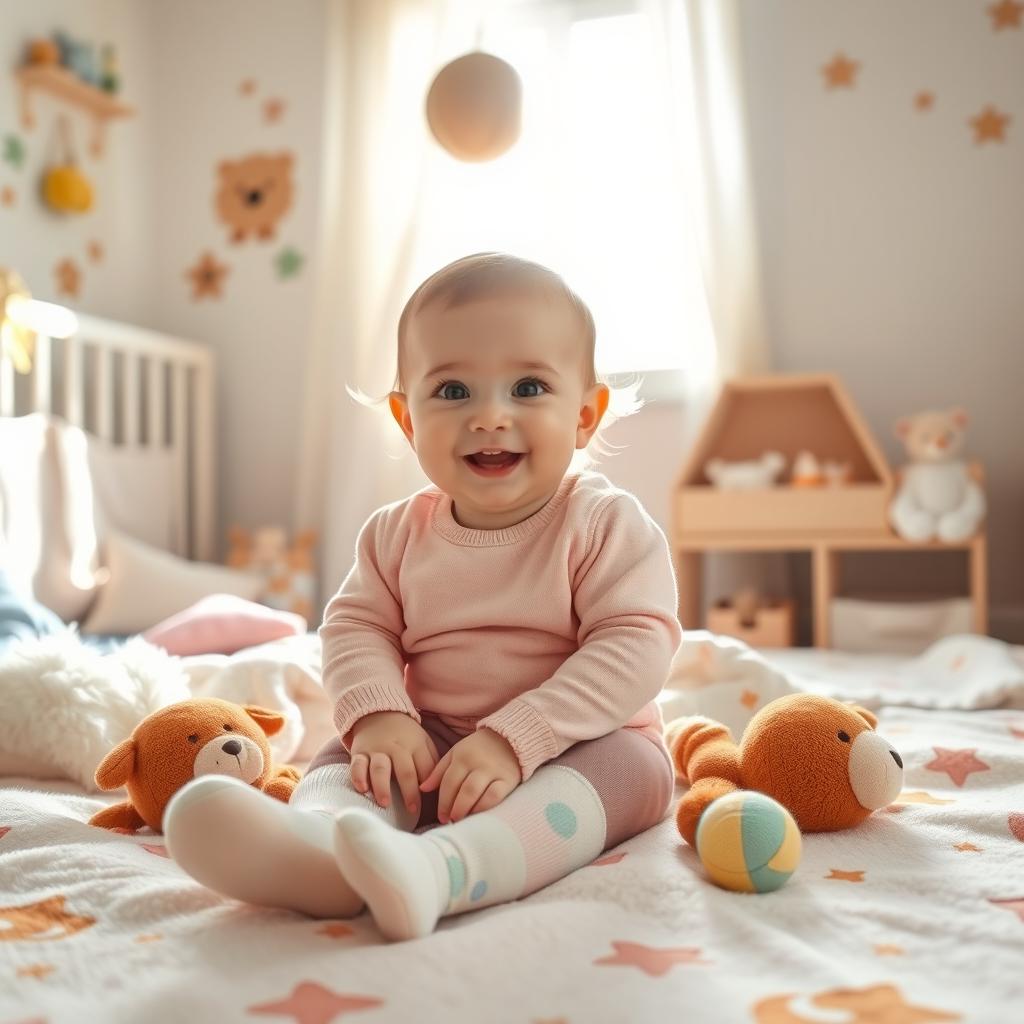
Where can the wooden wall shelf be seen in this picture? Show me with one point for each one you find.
(787, 413)
(65, 85)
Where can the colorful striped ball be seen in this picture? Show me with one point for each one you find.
(748, 842)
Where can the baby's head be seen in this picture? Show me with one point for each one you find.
(496, 354)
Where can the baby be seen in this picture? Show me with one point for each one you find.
(494, 654)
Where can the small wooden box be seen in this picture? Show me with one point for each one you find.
(773, 626)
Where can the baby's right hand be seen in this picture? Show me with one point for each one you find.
(386, 742)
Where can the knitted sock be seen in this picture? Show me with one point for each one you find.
(244, 844)
(547, 827)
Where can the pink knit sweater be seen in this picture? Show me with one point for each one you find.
(555, 630)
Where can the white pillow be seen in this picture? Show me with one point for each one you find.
(135, 489)
(146, 586)
(47, 537)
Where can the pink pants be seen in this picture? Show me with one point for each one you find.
(632, 775)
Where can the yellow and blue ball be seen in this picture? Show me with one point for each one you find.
(748, 842)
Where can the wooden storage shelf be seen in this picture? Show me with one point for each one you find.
(787, 413)
(64, 84)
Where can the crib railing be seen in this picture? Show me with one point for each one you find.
(134, 387)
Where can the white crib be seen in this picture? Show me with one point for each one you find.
(135, 387)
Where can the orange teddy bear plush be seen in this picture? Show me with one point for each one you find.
(182, 741)
(819, 758)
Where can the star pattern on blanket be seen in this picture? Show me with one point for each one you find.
(957, 764)
(749, 699)
(41, 921)
(1017, 732)
(310, 1003)
(887, 949)
(966, 847)
(877, 1004)
(652, 960)
(845, 876)
(1015, 822)
(159, 851)
(4, 829)
(335, 930)
(1014, 906)
(36, 970)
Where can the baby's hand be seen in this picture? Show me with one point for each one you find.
(389, 741)
(475, 775)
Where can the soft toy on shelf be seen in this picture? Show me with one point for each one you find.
(937, 497)
(182, 741)
(289, 571)
(746, 475)
(813, 764)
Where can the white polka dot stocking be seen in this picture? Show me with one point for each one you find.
(545, 829)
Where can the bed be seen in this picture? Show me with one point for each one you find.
(916, 915)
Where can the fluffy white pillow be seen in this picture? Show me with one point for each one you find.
(146, 586)
(47, 537)
(134, 489)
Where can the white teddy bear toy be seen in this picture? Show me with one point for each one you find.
(746, 475)
(937, 498)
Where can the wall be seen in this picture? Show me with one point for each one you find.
(261, 322)
(892, 242)
(35, 240)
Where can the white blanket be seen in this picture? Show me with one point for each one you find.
(726, 680)
(916, 915)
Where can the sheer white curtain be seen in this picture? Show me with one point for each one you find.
(630, 179)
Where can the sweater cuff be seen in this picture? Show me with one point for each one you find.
(527, 732)
(367, 699)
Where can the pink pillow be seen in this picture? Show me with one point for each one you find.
(223, 624)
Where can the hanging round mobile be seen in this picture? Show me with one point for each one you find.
(474, 107)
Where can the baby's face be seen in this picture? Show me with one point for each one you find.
(470, 389)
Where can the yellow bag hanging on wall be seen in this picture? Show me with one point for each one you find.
(66, 189)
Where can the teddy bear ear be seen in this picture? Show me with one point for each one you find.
(117, 767)
(868, 717)
(269, 721)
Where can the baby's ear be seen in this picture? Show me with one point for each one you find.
(868, 717)
(117, 767)
(269, 721)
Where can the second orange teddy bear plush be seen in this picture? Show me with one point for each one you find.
(819, 758)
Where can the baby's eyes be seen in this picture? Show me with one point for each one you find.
(446, 388)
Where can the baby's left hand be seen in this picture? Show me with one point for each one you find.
(475, 775)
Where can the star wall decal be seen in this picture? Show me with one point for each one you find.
(1005, 14)
(989, 125)
(69, 278)
(924, 101)
(247, 86)
(14, 151)
(95, 250)
(289, 262)
(652, 960)
(310, 1003)
(957, 764)
(7, 196)
(273, 110)
(207, 277)
(840, 72)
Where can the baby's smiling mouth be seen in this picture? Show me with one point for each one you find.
(493, 459)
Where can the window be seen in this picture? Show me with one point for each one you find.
(591, 189)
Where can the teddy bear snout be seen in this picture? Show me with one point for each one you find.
(235, 755)
(875, 770)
